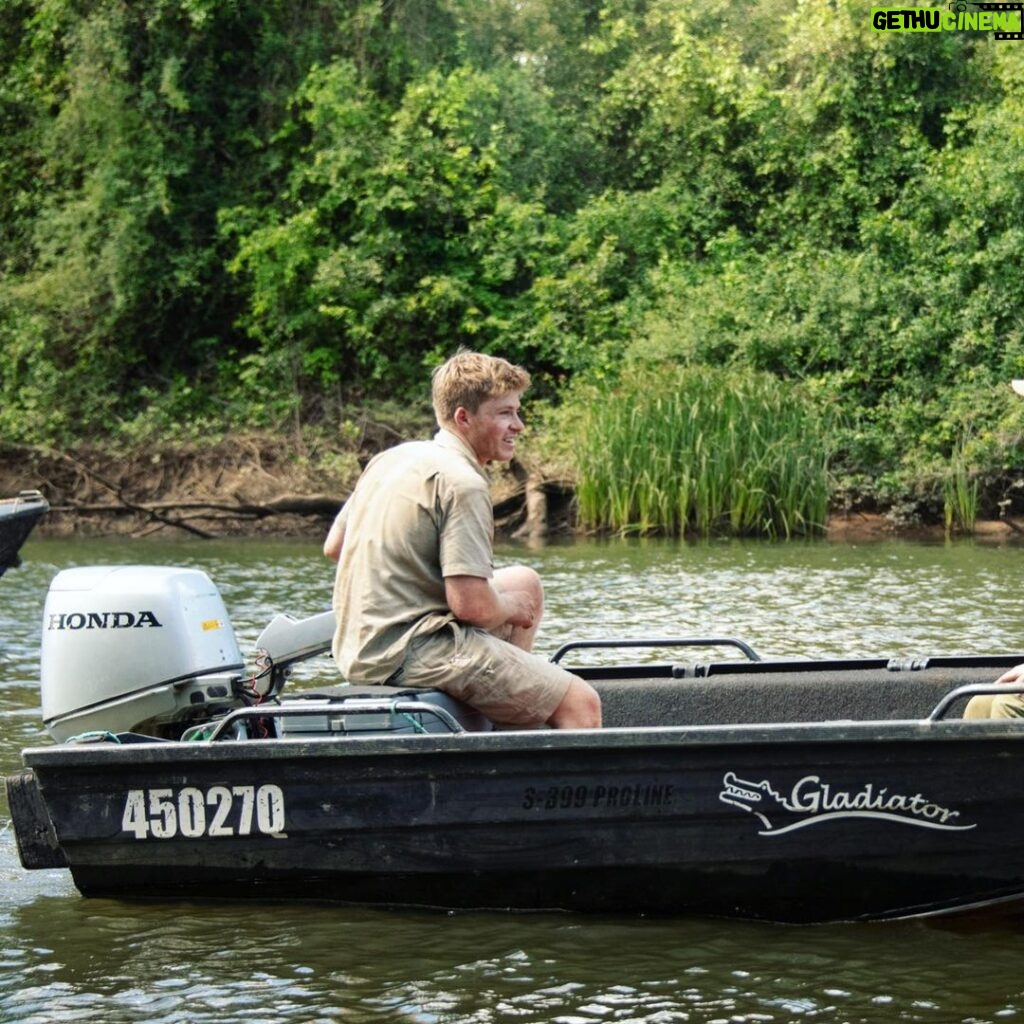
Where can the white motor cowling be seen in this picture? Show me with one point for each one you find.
(135, 648)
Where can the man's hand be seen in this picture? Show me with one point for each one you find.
(521, 610)
(1012, 675)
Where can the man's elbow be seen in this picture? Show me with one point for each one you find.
(468, 610)
(472, 605)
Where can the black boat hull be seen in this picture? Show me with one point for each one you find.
(787, 822)
(18, 518)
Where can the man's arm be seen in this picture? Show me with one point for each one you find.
(335, 537)
(475, 601)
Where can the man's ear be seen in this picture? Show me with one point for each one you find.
(461, 416)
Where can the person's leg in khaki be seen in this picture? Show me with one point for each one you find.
(999, 705)
(980, 706)
(995, 705)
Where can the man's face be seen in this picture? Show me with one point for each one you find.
(492, 430)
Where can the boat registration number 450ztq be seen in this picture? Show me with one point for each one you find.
(191, 813)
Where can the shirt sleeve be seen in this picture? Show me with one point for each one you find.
(341, 519)
(466, 532)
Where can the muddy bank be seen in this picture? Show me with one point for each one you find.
(261, 486)
(243, 486)
(867, 526)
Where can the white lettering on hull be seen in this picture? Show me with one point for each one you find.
(812, 801)
(191, 813)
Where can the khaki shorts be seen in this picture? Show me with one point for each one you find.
(995, 705)
(507, 684)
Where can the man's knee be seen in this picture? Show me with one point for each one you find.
(519, 577)
(1010, 705)
(580, 708)
(979, 706)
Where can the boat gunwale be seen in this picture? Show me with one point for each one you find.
(25, 503)
(840, 732)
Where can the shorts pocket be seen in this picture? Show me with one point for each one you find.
(431, 653)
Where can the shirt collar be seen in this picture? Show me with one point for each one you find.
(450, 440)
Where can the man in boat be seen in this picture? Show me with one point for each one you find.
(416, 595)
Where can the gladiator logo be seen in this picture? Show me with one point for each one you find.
(103, 620)
(813, 802)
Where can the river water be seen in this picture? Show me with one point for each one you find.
(65, 958)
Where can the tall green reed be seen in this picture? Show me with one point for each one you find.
(699, 450)
(960, 493)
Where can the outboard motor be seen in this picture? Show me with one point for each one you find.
(142, 649)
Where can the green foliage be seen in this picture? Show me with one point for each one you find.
(914, 332)
(701, 451)
(218, 212)
(135, 125)
(858, 115)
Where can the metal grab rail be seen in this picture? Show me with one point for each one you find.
(749, 651)
(971, 690)
(358, 706)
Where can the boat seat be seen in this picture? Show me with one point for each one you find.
(344, 714)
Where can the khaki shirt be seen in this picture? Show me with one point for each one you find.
(420, 512)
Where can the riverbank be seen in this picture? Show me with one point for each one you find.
(236, 486)
(260, 485)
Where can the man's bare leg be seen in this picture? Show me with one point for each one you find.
(522, 578)
(580, 708)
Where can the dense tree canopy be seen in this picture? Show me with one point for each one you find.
(231, 211)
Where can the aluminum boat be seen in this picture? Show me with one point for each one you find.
(722, 783)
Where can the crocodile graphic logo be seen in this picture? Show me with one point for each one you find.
(812, 801)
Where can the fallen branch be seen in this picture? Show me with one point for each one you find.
(289, 505)
(181, 515)
(131, 506)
